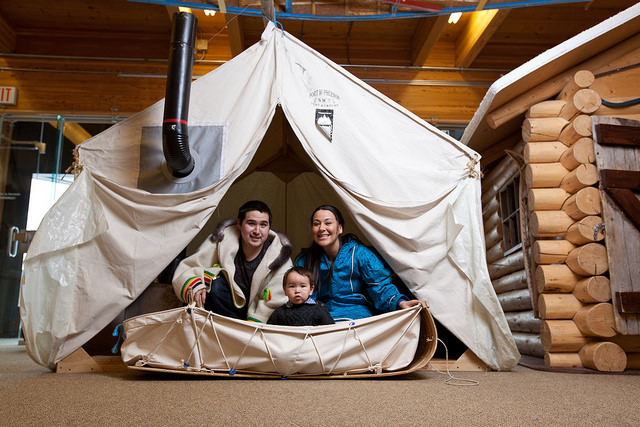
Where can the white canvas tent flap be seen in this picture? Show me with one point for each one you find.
(413, 191)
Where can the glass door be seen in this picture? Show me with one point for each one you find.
(18, 162)
(33, 157)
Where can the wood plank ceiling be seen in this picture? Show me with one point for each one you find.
(108, 58)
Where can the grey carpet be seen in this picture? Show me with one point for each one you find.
(33, 395)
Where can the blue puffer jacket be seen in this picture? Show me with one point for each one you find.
(359, 285)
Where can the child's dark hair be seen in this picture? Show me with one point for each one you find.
(301, 271)
(253, 205)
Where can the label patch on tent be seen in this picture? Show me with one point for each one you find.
(324, 98)
(324, 121)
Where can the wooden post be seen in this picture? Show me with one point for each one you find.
(603, 356)
(523, 321)
(510, 282)
(593, 289)
(549, 223)
(495, 252)
(551, 251)
(585, 231)
(579, 153)
(490, 208)
(579, 127)
(555, 278)
(585, 101)
(509, 264)
(544, 175)
(542, 129)
(528, 343)
(582, 176)
(494, 219)
(550, 108)
(558, 306)
(492, 236)
(588, 260)
(583, 203)
(596, 320)
(579, 80)
(544, 152)
(558, 336)
(546, 199)
(562, 360)
(498, 177)
(516, 300)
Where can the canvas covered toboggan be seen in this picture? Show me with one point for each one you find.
(195, 341)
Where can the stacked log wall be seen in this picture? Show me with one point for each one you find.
(507, 272)
(568, 246)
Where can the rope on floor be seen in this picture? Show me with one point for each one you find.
(452, 380)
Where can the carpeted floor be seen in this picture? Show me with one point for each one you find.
(33, 395)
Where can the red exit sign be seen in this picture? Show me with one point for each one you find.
(8, 95)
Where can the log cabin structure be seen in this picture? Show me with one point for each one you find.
(561, 150)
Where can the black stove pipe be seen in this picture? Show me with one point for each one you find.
(175, 129)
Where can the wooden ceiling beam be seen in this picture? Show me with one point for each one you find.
(235, 32)
(74, 132)
(427, 34)
(481, 26)
(481, 4)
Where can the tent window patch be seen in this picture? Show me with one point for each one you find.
(207, 146)
(510, 215)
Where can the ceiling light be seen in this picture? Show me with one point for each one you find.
(209, 12)
(454, 17)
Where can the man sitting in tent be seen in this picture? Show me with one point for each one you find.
(238, 270)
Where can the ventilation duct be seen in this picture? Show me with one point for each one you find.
(175, 129)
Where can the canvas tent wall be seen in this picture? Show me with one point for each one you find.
(413, 191)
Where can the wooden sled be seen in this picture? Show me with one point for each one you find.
(193, 341)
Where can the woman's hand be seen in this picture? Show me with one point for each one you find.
(199, 297)
(407, 304)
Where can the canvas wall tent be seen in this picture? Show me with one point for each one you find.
(412, 190)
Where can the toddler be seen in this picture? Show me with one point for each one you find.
(301, 309)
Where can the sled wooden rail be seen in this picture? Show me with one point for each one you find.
(81, 362)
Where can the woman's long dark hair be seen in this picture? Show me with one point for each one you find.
(313, 254)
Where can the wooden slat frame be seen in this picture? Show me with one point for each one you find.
(622, 236)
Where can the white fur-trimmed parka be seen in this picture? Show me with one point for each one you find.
(216, 256)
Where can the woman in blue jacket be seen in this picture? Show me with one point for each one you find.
(351, 280)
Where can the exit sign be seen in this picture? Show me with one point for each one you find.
(8, 95)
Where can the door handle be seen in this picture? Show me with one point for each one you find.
(13, 242)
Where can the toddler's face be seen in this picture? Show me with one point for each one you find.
(297, 288)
